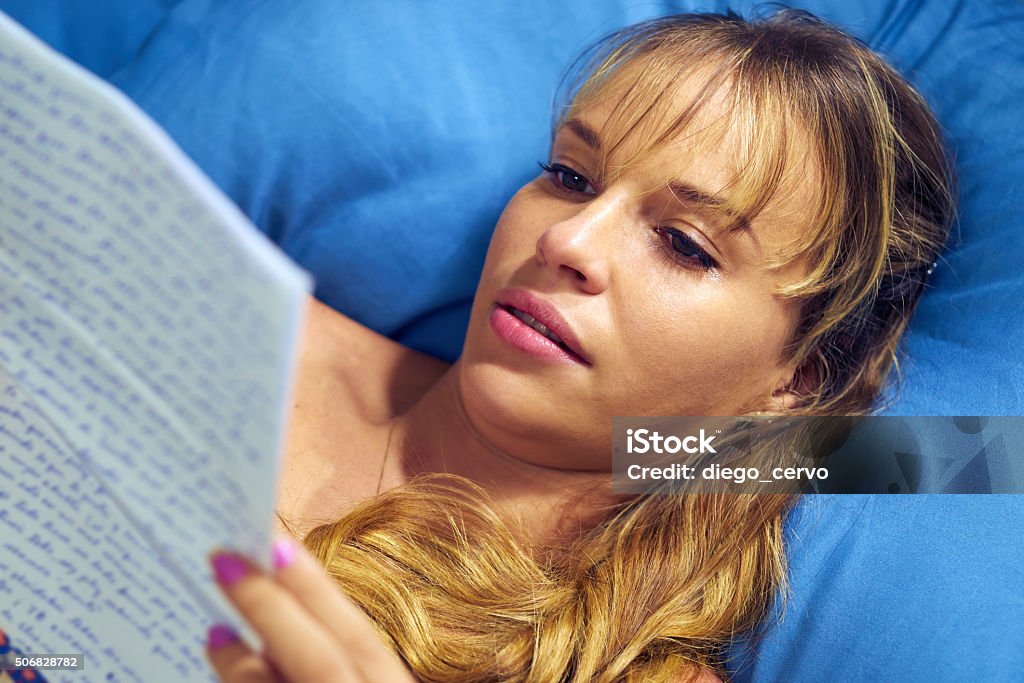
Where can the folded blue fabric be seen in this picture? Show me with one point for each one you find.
(102, 37)
(378, 142)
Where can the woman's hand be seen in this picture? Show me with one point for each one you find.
(310, 630)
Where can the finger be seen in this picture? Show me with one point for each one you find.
(233, 661)
(303, 577)
(294, 642)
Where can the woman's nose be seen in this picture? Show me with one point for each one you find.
(580, 246)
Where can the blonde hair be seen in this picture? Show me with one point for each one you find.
(656, 590)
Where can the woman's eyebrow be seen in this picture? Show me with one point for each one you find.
(585, 133)
(689, 195)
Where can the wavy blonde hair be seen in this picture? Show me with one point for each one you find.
(656, 590)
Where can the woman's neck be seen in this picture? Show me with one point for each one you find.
(436, 435)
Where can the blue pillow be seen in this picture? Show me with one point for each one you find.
(897, 588)
(102, 37)
(378, 144)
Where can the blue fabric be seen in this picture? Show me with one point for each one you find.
(378, 143)
(101, 36)
(898, 588)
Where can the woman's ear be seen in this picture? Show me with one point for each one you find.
(784, 397)
(795, 390)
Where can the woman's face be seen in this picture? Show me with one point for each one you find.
(660, 308)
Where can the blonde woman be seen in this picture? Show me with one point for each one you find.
(735, 217)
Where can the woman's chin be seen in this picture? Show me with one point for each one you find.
(513, 408)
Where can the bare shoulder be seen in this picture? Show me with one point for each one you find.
(349, 382)
(380, 376)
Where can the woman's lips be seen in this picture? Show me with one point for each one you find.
(520, 335)
(533, 325)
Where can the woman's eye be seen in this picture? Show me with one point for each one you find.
(568, 179)
(685, 250)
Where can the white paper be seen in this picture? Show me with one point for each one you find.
(147, 337)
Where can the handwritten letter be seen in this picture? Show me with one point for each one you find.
(147, 333)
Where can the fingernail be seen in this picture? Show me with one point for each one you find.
(219, 636)
(283, 552)
(228, 568)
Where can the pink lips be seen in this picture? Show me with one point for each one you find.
(526, 338)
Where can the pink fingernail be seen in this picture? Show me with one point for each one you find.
(283, 552)
(228, 568)
(219, 636)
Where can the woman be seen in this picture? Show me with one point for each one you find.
(735, 218)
